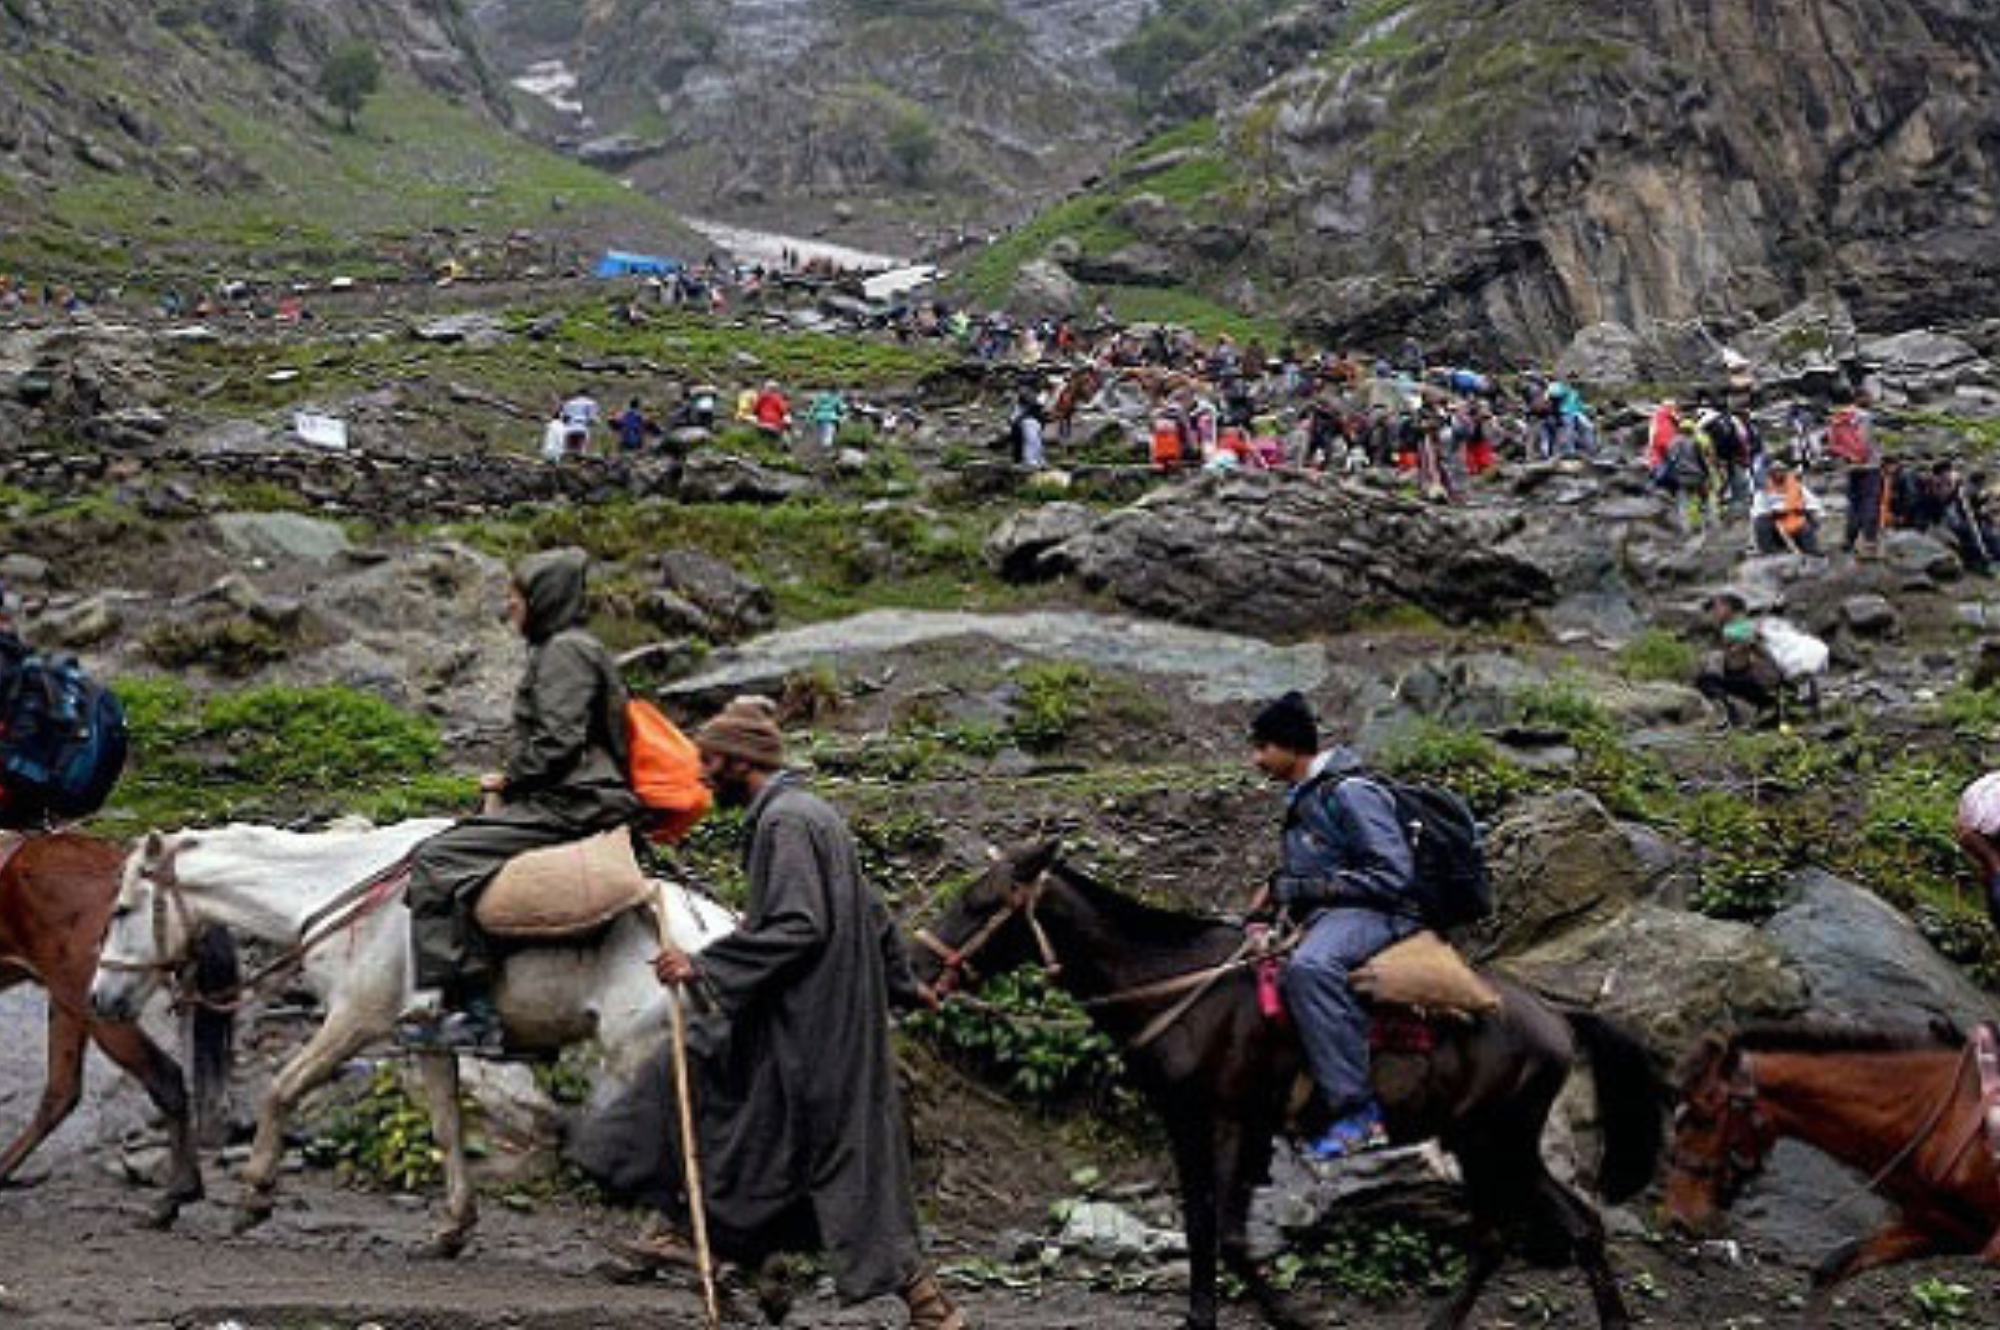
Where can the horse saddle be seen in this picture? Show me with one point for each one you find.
(564, 890)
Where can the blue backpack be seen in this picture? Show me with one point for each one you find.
(63, 741)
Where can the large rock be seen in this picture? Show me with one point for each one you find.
(1043, 289)
(1280, 558)
(1559, 862)
(1138, 264)
(282, 537)
(712, 477)
(1671, 975)
(1865, 963)
(1021, 540)
(1923, 362)
(1602, 354)
(732, 606)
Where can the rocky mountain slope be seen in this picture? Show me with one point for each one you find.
(137, 138)
(1503, 174)
(907, 111)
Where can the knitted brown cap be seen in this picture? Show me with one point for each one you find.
(748, 729)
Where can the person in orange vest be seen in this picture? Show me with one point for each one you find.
(1785, 515)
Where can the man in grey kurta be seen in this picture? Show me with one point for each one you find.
(801, 1126)
(564, 780)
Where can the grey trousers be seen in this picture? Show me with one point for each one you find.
(1332, 1023)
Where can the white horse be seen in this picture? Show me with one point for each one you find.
(272, 885)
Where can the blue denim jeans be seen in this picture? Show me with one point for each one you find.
(1333, 1026)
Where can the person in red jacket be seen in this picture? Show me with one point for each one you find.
(1666, 424)
(773, 412)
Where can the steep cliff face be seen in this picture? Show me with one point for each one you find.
(1504, 172)
(1526, 168)
(750, 106)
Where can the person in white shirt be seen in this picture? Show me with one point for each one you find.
(581, 414)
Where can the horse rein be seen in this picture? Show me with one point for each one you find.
(331, 919)
(958, 960)
(1190, 987)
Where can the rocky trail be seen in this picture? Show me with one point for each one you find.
(964, 659)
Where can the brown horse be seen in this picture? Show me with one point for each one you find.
(56, 896)
(1077, 392)
(1219, 1075)
(1902, 1107)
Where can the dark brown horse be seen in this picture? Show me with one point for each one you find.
(56, 896)
(1221, 1073)
(1901, 1107)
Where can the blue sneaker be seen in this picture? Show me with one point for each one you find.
(1357, 1133)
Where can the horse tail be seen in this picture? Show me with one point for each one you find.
(1631, 1105)
(211, 1032)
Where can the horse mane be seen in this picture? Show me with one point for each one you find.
(1822, 1037)
(1136, 919)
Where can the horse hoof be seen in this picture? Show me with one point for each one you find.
(446, 1246)
(251, 1216)
(162, 1215)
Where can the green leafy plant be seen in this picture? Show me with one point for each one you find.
(1055, 700)
(382, 1136)
(1658, 656)
(1457, 759)
(1377, 1262)
(1942, 1303)
(1031, 1037)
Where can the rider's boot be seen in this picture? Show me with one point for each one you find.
(472, 1025)
(1355, 1133)
(929, 1308)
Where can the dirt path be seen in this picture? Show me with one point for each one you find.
(72, 1258)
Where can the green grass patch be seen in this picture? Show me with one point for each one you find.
(330, 201)
(1152, 304)
(822, 558)
(273, 753)
(1658, 656)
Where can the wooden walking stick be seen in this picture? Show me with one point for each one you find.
(690, 1151)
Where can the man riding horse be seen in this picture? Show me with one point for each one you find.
(565, 779)
(1345, 879)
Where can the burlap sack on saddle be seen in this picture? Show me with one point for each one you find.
(1425, 971)
(565, 889)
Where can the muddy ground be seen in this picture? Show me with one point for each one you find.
(74, 1257)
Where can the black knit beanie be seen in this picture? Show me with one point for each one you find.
(1287, 723)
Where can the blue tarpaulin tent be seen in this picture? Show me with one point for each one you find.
(617, 263)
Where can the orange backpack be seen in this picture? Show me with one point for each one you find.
(664, 768)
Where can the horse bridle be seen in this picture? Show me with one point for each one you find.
(167, 896)
(1747, 1136)
(957, 961)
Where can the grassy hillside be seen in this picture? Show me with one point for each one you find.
(254, 177)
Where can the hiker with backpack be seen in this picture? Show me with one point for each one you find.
(1346, 878)
(1850, 436)
(566, 778)
(63, 737)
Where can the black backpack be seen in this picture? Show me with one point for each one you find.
(1451, 884)
(62, 741)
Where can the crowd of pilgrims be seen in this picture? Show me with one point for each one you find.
(1728, 455)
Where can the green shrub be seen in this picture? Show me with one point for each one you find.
(382, 1136)
(1658, 656)
(1379, 1262)
(1056, 698)
(1746, 855)
(1031, 1037)
(1457, 759)
(275, 752)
